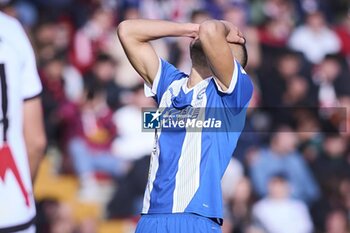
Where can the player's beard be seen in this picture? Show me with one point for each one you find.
(197, 54)
(195, 45)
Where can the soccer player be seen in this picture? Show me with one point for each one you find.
(22, 138)
(183, 193)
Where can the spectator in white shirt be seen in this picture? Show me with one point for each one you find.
(314, 39)
(278, 213)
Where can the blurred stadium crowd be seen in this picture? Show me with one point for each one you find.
(291, 169)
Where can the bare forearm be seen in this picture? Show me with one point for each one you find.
(144, 30)
(222, 36)
(213, 36)
(35, 155)
(135, 36)
(34, 133)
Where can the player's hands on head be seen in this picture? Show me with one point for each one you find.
(195, 31)
(234, 35)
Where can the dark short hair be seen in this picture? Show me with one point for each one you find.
(198, 12)
(280, 175)
(243, 60)
(197, 54)
(103, 57)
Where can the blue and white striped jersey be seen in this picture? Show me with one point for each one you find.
(187, 166)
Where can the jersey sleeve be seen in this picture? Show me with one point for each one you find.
(240, 91)
(30, 81)
(167, 73)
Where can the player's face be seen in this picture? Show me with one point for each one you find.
(197, 54)
(196, 45)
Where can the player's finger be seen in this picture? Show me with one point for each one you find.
(242, 40)
(233, 39)
(236, 39)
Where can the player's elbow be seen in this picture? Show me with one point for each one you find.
(211, 29)
(123, 30)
